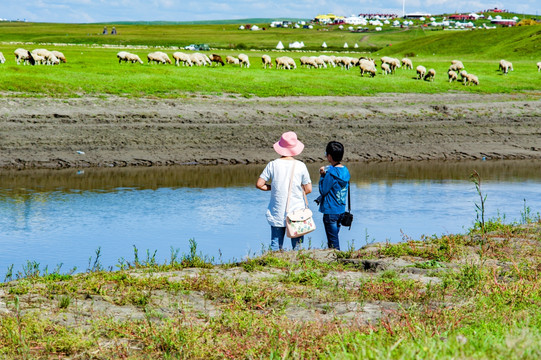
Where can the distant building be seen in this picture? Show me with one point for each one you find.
(329, 19)
(461, 17)
(417, 15)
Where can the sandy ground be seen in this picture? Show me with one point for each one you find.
(117, 131)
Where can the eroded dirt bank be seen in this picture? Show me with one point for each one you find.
(115, 131)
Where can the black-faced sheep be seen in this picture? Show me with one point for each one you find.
(505, 66)
(385, 69)
(430, 75)
(25, 56)
(266, 61)
(421, 71)
(539, 66)
(158, 57)
(463, 74)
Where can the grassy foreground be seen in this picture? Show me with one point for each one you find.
(456, 296)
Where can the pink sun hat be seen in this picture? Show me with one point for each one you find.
(289, 145)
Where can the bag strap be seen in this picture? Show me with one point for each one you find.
(290, 183)
(349, 197)
(289, 190)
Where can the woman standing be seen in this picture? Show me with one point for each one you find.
(279, 172)
(333, 187)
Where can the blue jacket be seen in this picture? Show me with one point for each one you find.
(333, 187)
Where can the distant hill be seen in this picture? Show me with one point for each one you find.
(513, 42)
(206, 22)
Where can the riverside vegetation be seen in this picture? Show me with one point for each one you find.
(475, 295)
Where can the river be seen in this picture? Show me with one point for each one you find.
(61, 218)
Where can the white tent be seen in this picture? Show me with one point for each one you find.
(346, 45)
(324, 45)
(280, 46)
(296, 45)
(356, 46)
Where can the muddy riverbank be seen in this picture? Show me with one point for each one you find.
(113, 131)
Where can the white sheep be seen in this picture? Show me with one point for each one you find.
(45, 57)
(393, 62)
(244, 60)
(285, 62)
(505, 66)
(282, 63)
(421, 71)
(407, 64)
(25, 56)
(199, 59)
(38, 59)
(385, 69)
(453, 76)
(319, 62)
(158, 57)
(344, 62)
(471, 79)
(2, 58)
(182, 57)
(308, 62)
(463, 74)
(539, 66)
(367, 66)
(456, 65)
(204, 59)
(430, 75)
(291, 62)
(60, 56)
(232, 60)
(328, 60)
(133, 58)
(266, 61)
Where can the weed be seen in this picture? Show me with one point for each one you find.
(64, 301)
(479, 208)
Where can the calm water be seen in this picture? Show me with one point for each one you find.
(54, 217)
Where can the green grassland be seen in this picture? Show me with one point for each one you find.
(480, 300)
(92, 66)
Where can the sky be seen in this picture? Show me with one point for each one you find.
(89, 11)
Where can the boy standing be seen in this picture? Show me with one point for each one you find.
(333, 187)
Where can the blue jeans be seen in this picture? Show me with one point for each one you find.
(277, 239)
(332, 227)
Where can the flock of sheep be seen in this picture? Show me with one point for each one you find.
(365, 64)
(37, 57)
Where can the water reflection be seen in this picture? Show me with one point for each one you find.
(20, 182)
(62, 217)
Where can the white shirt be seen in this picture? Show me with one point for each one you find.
(279, 172)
